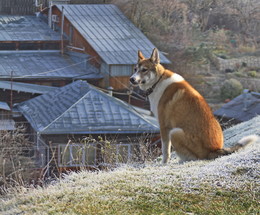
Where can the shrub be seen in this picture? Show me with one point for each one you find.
(240, 74)
(230, 89)
(252, 74)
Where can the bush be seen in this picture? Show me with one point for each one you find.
(252, 74)
(230, 89)
(240, 74)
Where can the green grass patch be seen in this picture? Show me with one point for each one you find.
(145, 200)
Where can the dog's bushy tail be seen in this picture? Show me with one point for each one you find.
(240, 145)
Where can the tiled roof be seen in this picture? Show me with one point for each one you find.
(25, 28)
(25, 87)
(43, 65)
(79, 108)
(242, 108)
(109, 32)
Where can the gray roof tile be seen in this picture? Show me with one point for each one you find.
(25, 28)
(80, 108)
(242, 108)
(43, 64)
(109, 32)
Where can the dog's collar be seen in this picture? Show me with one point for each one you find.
(150, 90)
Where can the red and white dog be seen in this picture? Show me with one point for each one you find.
(186, 121)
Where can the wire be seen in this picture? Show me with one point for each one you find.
(106, 71)
(126, 87)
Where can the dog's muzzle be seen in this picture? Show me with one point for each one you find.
(133, 81)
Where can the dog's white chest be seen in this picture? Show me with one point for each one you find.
(154, 101)
(155, 97)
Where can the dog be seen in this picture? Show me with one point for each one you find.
(186, 121)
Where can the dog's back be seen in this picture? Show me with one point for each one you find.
(182, 107)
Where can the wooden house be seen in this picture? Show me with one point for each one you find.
(30, 53)
(103, 32)
(64, 119)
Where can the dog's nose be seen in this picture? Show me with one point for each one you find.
(132, 80)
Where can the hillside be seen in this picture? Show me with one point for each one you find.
(192, 33)
(227, 185)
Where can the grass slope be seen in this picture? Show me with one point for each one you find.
(227, 185)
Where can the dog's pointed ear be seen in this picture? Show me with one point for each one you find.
(155, 58)
(140, 56)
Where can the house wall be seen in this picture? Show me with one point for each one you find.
(29, 45)
(74, 38)
(121, 70)
(17, 7)
(116, 76)
(119, 82)
(120, 75)
(5, 95)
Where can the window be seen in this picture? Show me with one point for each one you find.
(77, 155)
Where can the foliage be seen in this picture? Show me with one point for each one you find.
(252, 73)
(230, 89)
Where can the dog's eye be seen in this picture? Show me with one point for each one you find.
(144, 70)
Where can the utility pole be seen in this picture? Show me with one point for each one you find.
(62, 29)
(11, 93)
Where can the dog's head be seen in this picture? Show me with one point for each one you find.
(146, 72)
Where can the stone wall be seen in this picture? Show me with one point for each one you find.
(235, 63)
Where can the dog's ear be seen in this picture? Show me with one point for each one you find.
(155, 58)
(140, 56)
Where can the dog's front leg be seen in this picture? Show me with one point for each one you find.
(166, 146)
(166, 150)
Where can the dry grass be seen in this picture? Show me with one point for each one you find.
(227, 185)
(16, 166)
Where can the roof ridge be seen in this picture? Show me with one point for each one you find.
(68, 108)
(122, 104)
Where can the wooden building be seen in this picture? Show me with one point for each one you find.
(104, 33)
(64, 118)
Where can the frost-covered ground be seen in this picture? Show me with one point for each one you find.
(86, 191)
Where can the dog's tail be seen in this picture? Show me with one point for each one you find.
(242, 143)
